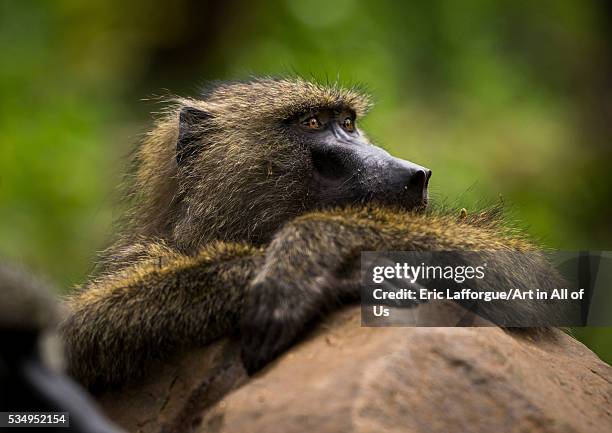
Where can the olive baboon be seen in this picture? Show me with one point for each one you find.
(252, 205)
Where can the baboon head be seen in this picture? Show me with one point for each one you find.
(248, 156)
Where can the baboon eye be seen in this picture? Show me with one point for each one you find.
(312, 123)
(348, 124)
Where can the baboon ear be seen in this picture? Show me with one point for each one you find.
(191, 123)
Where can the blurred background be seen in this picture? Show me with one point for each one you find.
(510, 98)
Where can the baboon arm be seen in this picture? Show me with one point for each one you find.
(314, 261)
(117, 325)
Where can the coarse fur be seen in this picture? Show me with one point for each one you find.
(245, 180)
(226, 234)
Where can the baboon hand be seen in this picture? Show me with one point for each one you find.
(275, 314)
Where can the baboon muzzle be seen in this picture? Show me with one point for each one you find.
(354, 171)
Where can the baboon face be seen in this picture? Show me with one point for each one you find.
(253, 155)
(345, 168)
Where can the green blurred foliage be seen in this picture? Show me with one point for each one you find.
(510, 98)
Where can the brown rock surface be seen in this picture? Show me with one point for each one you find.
(345, 378)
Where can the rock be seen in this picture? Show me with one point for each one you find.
(345, 378)
(178, 391)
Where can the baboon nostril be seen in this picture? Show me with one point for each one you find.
(419, 180)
